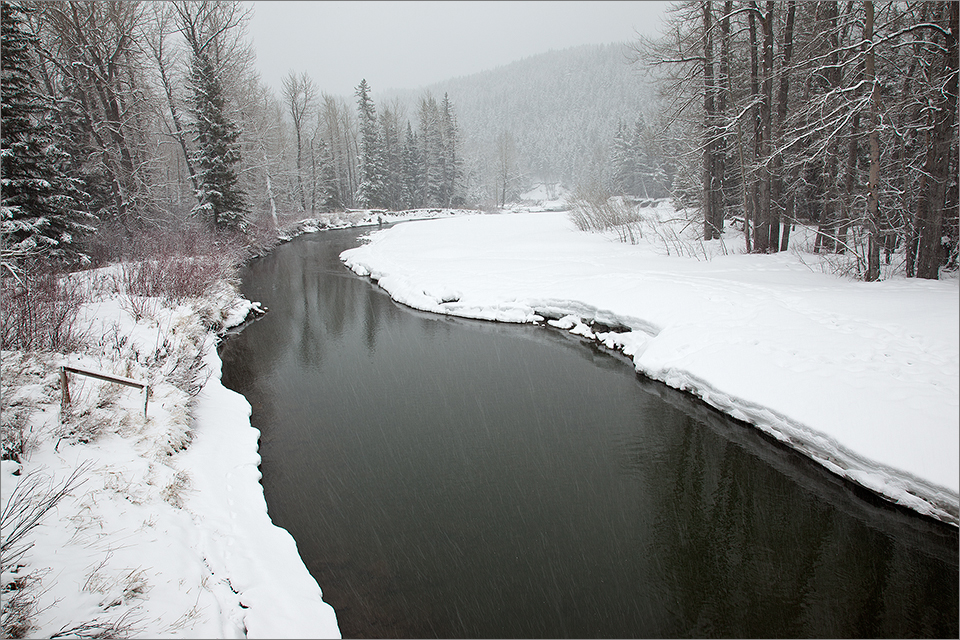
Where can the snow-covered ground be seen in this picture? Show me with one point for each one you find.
(862, 377)
(166, 532)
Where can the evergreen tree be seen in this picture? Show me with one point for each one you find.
(650, 176)
(329, 192)
(450, 161)
(83, 160)
(391, 154)
(411, 191)
(40, 215)
(371, 191)
(431, 153)
(220, 198)
(623, 159)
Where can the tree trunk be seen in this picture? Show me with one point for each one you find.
(782, 95)
(766, 123)
(827, 231)
(873, 184)
(787, 223)
(849, 184)
(723, 97)
(709, 126)
(754, 189)
(936, 166)
(747, 202)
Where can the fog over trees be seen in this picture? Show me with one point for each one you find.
(131, 118)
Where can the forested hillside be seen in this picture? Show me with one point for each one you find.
(550, 117)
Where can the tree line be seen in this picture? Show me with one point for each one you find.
(842, 114)
(379, 161)
(124, 118)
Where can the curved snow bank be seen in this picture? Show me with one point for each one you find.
(257, 560)
(863, 378)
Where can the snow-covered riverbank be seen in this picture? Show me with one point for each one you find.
(862, 377)
(166, 532)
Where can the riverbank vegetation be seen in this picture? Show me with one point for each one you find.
(843, 115)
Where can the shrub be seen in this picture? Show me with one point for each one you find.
(592, 209)
(40, 310)
(177, 266)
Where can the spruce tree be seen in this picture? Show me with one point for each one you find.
(411, 191)
(40, 215)
(645, 169)
(451, 163)
(220, 200)
(391, 155)
(431, 153)
(329, 192)
(371, 191)
(624, 161)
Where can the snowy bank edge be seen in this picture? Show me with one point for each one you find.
(265, 568)
(268, 568)
(362, 218)
(894, 485)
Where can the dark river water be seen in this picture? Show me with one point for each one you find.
(449, 478)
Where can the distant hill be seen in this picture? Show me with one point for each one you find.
(561, 109)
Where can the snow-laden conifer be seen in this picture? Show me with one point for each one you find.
(220, 200)
(41, 216)
(371, 191)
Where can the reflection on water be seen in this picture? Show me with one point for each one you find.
(464, 479)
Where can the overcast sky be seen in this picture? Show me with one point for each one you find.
(407, 45)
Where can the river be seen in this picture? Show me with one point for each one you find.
(454, 478)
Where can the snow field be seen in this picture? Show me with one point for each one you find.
(862, 377)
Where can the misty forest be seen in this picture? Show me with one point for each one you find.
(146, 164)
(144, 118)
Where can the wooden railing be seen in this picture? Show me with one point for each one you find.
(107, 377)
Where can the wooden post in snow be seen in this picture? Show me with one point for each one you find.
(107, 377)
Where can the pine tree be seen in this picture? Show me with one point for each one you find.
(624, 166)
(649, 175)
(329, 192)
(411, 190)
(220, 198)
(430, 153)
(370, 193)
(451, 164)
(391, 155)
(40, 216)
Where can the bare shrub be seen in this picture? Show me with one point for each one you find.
(187, 371)
(27, 381)
(19, 606)
(40, 311)
(175, 278)
(677, 239)
(124, 626)
(173, 493)
(34, 496)
(16, 439)
(848, 260)
(593, 209)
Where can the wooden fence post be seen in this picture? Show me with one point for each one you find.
(106, 377)
(64, 391)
